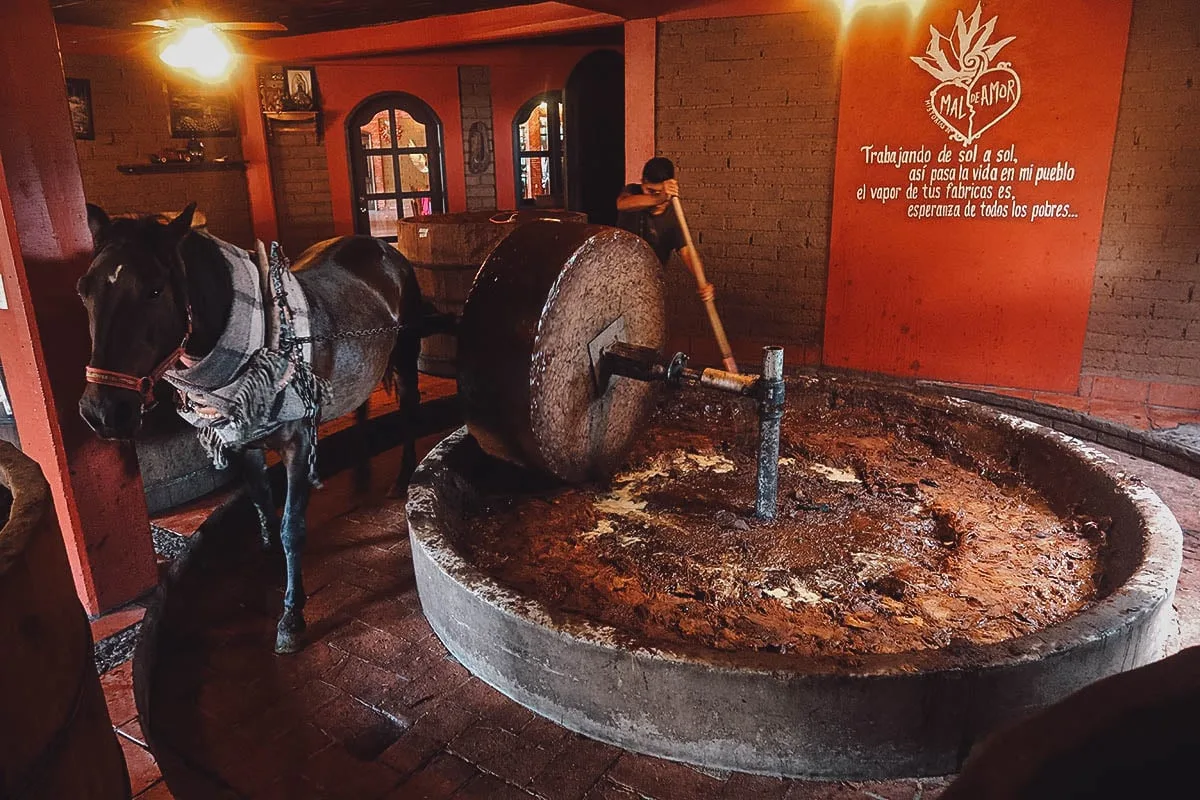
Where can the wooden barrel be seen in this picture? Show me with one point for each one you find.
(446, 251)
(57, 740)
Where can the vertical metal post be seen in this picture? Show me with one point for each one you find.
(770, 412)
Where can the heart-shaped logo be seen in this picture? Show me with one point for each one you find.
(972, 96)
(966, 112)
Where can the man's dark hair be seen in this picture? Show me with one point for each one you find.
(658, 170)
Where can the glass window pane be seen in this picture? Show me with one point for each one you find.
(409, 132)
(382, 214)
(377, 132)
(380, 176)
(535, 177)
(414, 172)
(532, 130)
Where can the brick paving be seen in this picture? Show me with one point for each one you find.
(374, 707)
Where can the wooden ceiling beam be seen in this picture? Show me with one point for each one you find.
(636, 9)
(478, 27)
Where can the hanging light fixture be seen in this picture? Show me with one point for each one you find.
(198, 47)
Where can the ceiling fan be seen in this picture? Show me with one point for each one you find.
(196, 45)
(172, 24)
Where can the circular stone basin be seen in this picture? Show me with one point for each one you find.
(937, 569)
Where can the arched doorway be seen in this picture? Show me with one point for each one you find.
(395, 145)
(538, 149)
(595, 135)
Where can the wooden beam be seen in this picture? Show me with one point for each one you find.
(636, 9)
(641, 47)
(260, 187)
(479, 27)
(45, 246)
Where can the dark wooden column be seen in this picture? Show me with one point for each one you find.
(44, 247)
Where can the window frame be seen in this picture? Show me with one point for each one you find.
(554, 123)
(359, 156)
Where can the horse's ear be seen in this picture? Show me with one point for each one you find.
(98, 222)
(180, 226)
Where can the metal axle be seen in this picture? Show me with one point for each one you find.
(646, 364)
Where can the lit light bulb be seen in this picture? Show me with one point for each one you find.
(173, 56)
(199, 48)
(852, 7)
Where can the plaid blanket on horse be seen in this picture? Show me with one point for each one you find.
(255, 379)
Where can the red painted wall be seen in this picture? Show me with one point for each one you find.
(343, 86)
(982, 299)
(518, 74)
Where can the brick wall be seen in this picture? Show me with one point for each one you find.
(129, 107)
(747, 109)
(1145, 316)
(300, 178)
(475, 97)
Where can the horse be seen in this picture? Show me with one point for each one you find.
(159, 294)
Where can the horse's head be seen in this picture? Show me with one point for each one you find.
(135, 292)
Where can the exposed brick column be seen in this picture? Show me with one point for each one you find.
(747, 107)
(475, 99)
(1145, 311)
(45, 247)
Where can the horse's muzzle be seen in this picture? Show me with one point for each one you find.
(112, 413)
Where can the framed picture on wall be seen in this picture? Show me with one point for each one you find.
(299, 89)
(200, 111)
(79, 98)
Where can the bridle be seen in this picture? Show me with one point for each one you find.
(144, 386)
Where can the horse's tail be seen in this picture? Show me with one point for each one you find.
(402, 364)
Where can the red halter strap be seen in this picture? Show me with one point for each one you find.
(143, 386)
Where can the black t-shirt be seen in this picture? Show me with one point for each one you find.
(662, 231)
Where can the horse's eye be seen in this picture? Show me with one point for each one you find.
(155, 291)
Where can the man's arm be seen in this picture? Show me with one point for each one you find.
(629, 200)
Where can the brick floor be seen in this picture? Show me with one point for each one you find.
(375, 708)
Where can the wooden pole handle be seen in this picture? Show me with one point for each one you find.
(705, 290)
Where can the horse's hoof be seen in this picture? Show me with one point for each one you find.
(289, 634)
(288, 643)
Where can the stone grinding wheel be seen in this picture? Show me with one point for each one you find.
(545, 294)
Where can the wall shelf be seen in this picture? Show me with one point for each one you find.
(181, 166)
(293, 121)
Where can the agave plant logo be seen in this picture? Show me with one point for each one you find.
(974, 94)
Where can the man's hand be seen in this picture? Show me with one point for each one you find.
(671, 187)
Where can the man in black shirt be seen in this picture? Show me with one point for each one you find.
(645, 209)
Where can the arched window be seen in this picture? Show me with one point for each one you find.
(395, 162)
(538, 149)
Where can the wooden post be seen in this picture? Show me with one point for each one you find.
(45, 246)
(641, 50)
(259, 185)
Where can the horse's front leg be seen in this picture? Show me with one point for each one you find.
(295, 452)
